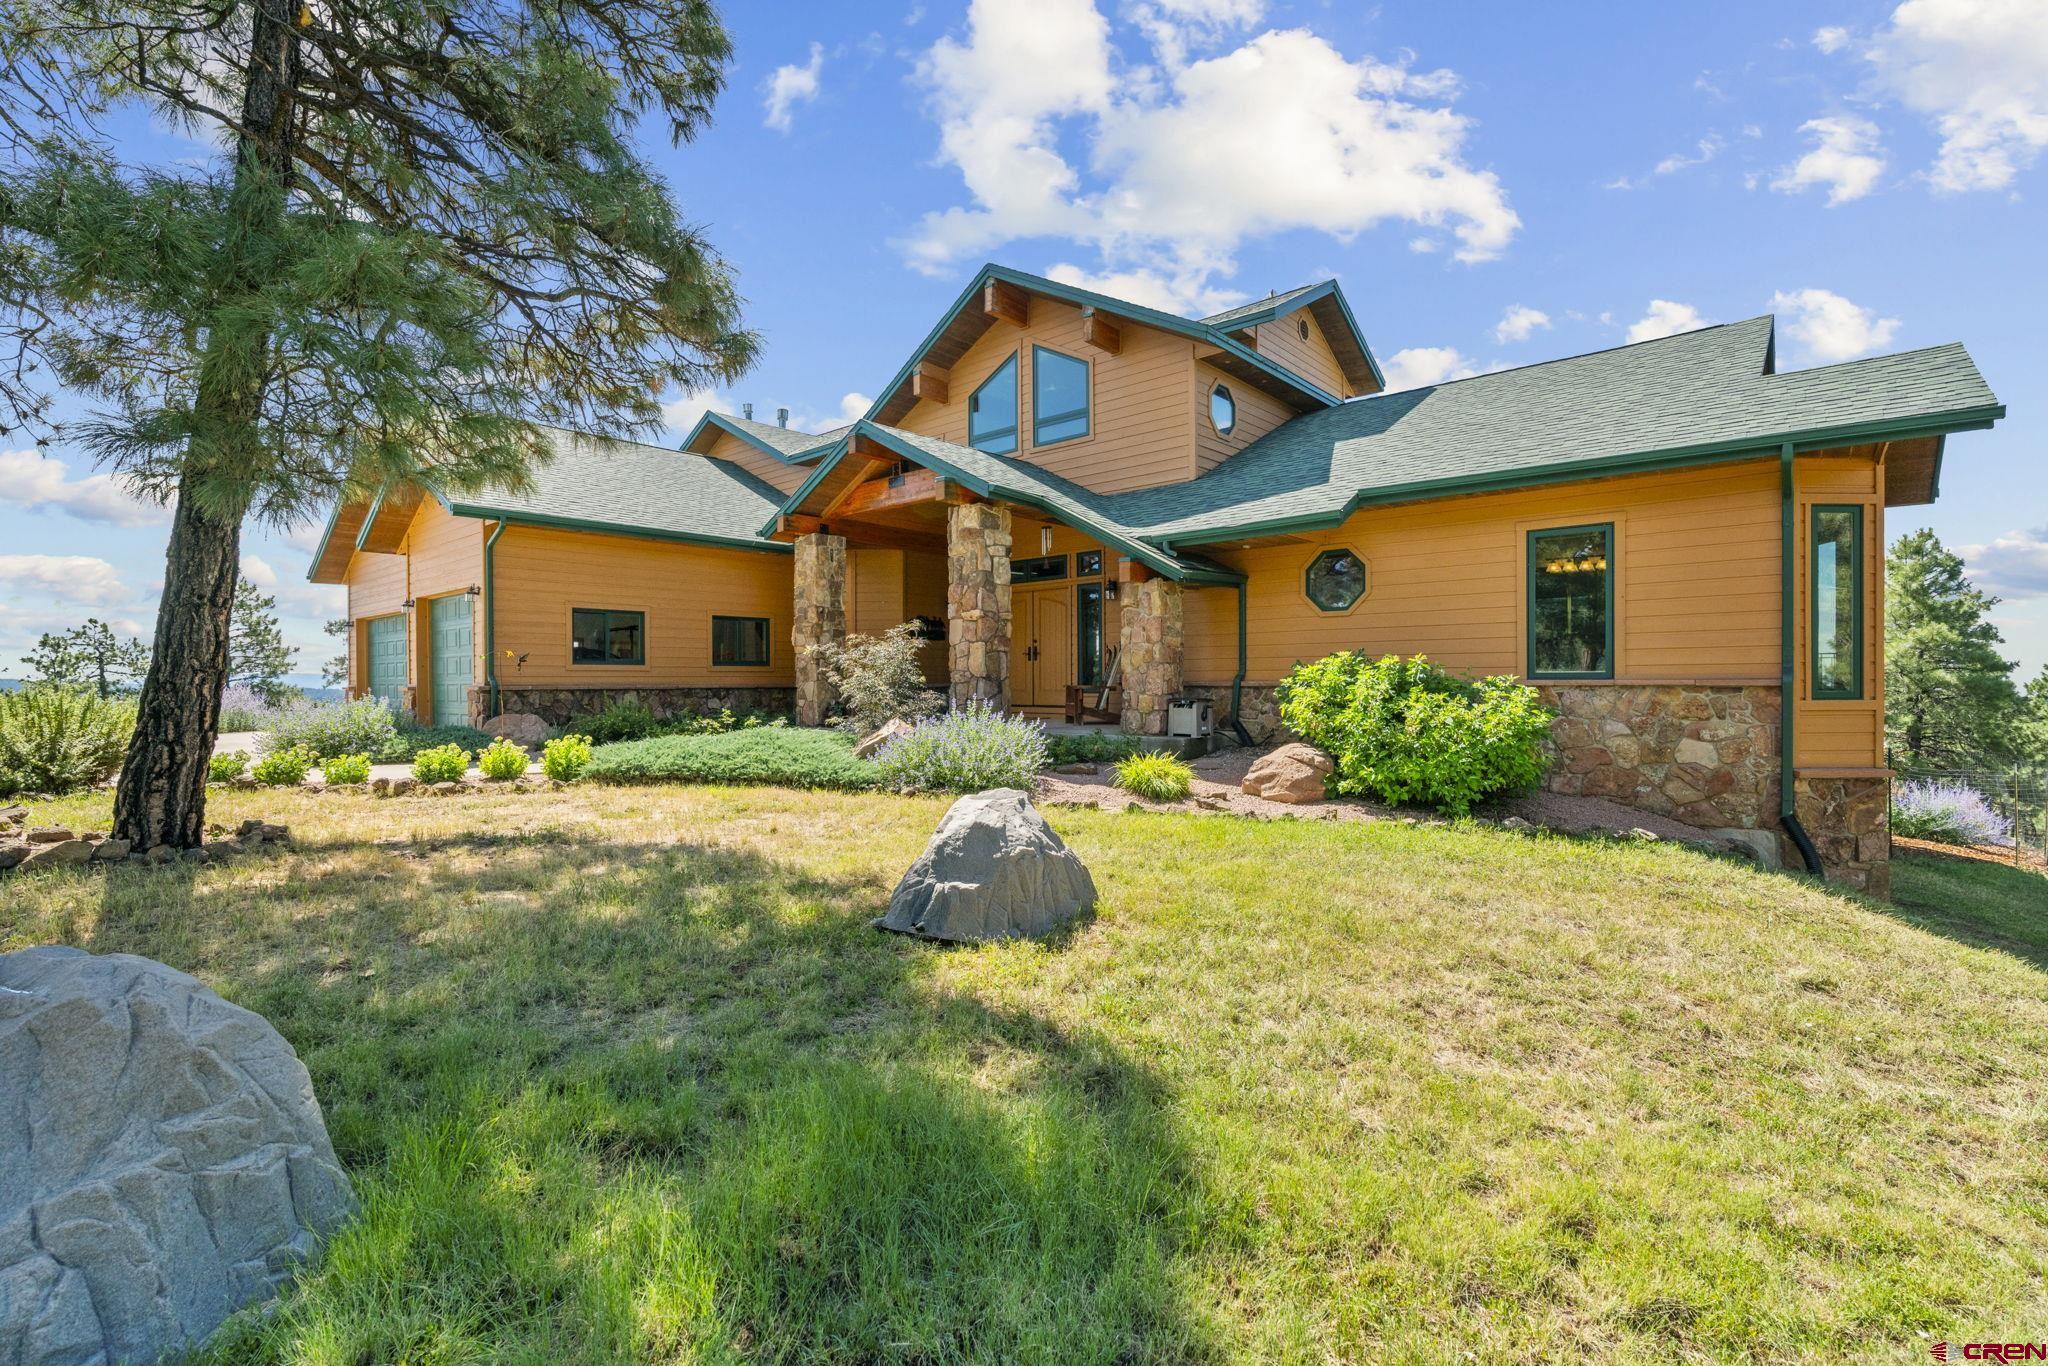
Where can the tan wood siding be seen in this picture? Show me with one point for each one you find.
(1281, 341)
(762, 466)
(446, 554)
(542, 575)
(874, 594)
(1831, 732)
(376, 588)
(1257, 414)
(1141, 430)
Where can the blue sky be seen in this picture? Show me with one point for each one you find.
(1492, 184)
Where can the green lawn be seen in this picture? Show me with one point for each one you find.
(623, 1075)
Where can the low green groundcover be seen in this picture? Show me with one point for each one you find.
(780, 756)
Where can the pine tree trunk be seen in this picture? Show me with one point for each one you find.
(162, 796)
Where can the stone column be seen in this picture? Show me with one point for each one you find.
(819, 619)
(978, 603)
(1154, 645)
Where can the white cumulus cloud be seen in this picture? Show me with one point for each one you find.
(1979, 70)
(1831, 38)
(1825, 327)
(31, 479)
(790, 86)
(68, 578)
(1664, 318)
(682, 413)
(1519, 323)
(1847, 158)
(1419, 366)
(1189, 293)
(2014, 565)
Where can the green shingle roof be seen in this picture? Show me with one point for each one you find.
(1272, 303)
(1696, 396)
(597, 484)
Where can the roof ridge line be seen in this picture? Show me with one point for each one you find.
(1576, 355)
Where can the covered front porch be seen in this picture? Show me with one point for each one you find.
(1040, 611)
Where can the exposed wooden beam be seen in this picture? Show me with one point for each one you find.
(791, 525)
(1133, 571)
(874, 460)
(930, 383)
(1006, 302)
(867, 536)
(877, 495)
(1102, 332)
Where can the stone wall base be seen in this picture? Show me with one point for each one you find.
(1849, 822)
(559, 706)
(1703, 754)
(1261, 710)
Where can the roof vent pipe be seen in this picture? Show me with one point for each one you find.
(747, 411)
(782, 417)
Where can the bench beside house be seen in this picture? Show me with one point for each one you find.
(1668, 538)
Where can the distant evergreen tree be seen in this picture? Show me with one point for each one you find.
(92, 655)
(334, 673)
(1950, 702)
(2034, 732)
(257, 654)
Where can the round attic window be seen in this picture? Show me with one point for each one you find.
(1222, 410)
(1336, 580)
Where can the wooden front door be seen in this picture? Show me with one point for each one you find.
(1044, 647)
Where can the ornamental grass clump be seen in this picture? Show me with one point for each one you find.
(1404, 731)
(1155, 777)
(56, 739)
(346, 770)
(565, 757)
(285, 767)
(442, 764)
(502, 760)
(970, 749)
(1947, 813)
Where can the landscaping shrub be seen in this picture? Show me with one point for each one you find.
(222, 768)
(285, 767)
(502, 760)
(403, 747)
(724, 721)
(1947, 812)
(364, 726)
(778, 755)
(441, 764)
(971, 749)
(56, 739)
(626, 719)
(565, 757)
(1105, 748)
(346, 770)
(1406, 731)
(878, 678)
(1156, 777)
(243, 708)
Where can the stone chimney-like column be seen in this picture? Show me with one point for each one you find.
(978, 603)
(820, 619)
(1154, 651)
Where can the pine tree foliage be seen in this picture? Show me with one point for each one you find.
(93, 655)
(258, 658)
(1950, 702)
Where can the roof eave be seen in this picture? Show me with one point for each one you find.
(516, 517)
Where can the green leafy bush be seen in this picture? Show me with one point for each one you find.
(57, 739)
(879, 678)
(626, 719)
(502, 760)
(1156, 777)
(441, 764)
(1103, 748)
(224, 768)
(971, 749)
(364, 726)
(346, 770)
(565, 757)
(285, 767)
(1406, 731)
(410, 740)
(719, 724)
(782, 756)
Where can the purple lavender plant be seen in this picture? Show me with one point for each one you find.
(1947, 812)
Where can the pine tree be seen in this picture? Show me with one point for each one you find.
(428, 230)
(92, 655)
(334, 673)
(2034, 730)
(257, 654)
(1950, 702)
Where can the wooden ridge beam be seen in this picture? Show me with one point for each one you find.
(930, 383)
(879, 495)
(1006, 302)
(1102, 332)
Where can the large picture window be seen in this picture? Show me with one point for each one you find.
(1571, 602)
(1837, 602)
(739, 641)
(598, 636)
(1059, 397)
(992, 412)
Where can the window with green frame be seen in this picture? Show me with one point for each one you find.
(1835, 602)
(992, 411)
(1571, 602)
(739, 641)
(598, 636)
(1059, 397)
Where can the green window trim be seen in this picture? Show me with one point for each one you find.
(1040, 419)
(1335, 595)
(1606, 529)
(1853, 692)
(740, 642)
(600, 623)
(995, 440)
(1219, 394)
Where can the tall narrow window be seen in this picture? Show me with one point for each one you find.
(1088, 624)
(1059, 397)
(1571, 602)
(992, 412)
(1837, 610)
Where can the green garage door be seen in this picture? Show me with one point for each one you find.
(387, 659)
(448, 629)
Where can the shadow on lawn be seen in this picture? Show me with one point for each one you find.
(620, 1101)
(1973, 901)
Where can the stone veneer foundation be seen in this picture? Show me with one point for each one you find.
(560, 706)
(1154, 650)
(818, 617)
(1849, 822)
(978, 604)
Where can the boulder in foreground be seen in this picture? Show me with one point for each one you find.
(162, 1159)
(1292, 773)
(993, 870)
(520, 727)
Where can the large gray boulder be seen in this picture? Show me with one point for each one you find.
(993, 870)
(520, 727)
(162, 1159)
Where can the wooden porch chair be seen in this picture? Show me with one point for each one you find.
(1109, 697)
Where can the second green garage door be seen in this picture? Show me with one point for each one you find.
(387, 659)
(449, 631)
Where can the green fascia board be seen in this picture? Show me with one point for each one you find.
(719, 421)
(1328, 289)
(1975, 419)
(1088, 298)
(544, 519)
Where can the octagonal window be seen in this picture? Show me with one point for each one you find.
(1336, 580)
